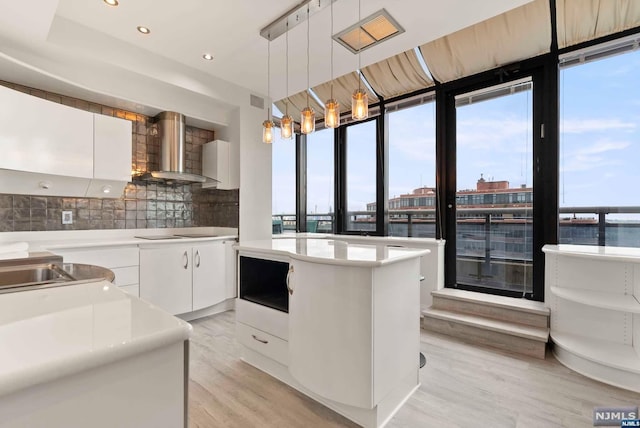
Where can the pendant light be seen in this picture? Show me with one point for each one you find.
(307, 116)
(267, 125)
(286, 123)
(331, 106)
(360, 99)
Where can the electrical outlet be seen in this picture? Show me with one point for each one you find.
(67, 217)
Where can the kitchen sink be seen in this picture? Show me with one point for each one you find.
(26, 275)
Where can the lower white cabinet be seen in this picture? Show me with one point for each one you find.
(184, 277)
(122, 260)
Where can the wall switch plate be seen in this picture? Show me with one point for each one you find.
(67, 217)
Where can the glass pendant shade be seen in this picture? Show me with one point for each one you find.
(332, 114)
(359, 105)
(307, 120)
(267, 131)
(286, 127)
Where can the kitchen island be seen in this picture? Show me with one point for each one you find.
(338, 321)
(88, 354)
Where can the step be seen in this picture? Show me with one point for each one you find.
(516, 338)
(509, 309)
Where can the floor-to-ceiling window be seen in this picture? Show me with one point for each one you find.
(412, 171)
(600, 146)
(494, 188)
(320, 181)
(283, 176)
(361, 177)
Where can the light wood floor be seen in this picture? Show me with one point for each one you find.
(462, 386)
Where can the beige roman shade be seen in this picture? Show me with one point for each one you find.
(297, 102)
(583, 20)
(343, 88)
(518, 34)
(398, 75)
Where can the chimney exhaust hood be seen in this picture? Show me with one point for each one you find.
(172, 130)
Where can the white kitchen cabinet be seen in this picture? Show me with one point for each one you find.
(183, 278)
(218, 163)
(209, 274)
(111, 156)
(52, 149)
(41, 136)
(112, 148)
(231, 257)
(123, 261)
(166, 277)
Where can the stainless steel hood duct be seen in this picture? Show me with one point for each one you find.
(172, 131)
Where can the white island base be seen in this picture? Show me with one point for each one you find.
(351, 337)
(90, 355)
(375, 417)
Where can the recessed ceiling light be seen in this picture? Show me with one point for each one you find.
(111, 2)
(143, 30)
(207, 56)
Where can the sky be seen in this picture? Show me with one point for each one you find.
(599, 145)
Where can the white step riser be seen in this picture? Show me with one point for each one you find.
(515, 344)
(498, 313)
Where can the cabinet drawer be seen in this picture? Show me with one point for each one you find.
(269, 320)
(109, 257)
(126, 275)
(268, 345)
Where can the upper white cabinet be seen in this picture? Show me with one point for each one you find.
(55, 150)
(40, 136)
(112, 148)
(111, 156)
(218, 162)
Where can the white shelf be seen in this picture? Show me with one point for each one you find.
(605, 353)
(620, 254)
(599, 299)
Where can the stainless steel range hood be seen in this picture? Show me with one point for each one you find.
(171, 130)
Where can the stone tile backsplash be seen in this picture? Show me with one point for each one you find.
(143, 205)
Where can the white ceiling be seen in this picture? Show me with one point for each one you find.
(181, 31)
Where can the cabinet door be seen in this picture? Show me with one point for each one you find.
(166, 277)
(112, 148)
(232, 270)
(330, 337)
(209, 274)
(41, 136)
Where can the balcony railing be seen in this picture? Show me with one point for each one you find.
(494, 245)
(578, 225)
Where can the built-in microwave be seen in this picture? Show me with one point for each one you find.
(264, 282)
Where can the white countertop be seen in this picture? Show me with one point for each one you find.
(332, 251)
(595, 252)
(50, 333)
(53, 240)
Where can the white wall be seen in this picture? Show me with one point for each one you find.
(255, 170)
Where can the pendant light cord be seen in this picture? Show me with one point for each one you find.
(308, 25)
(359, 45)
(331, 40)
(286, 100)
(269, 77)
